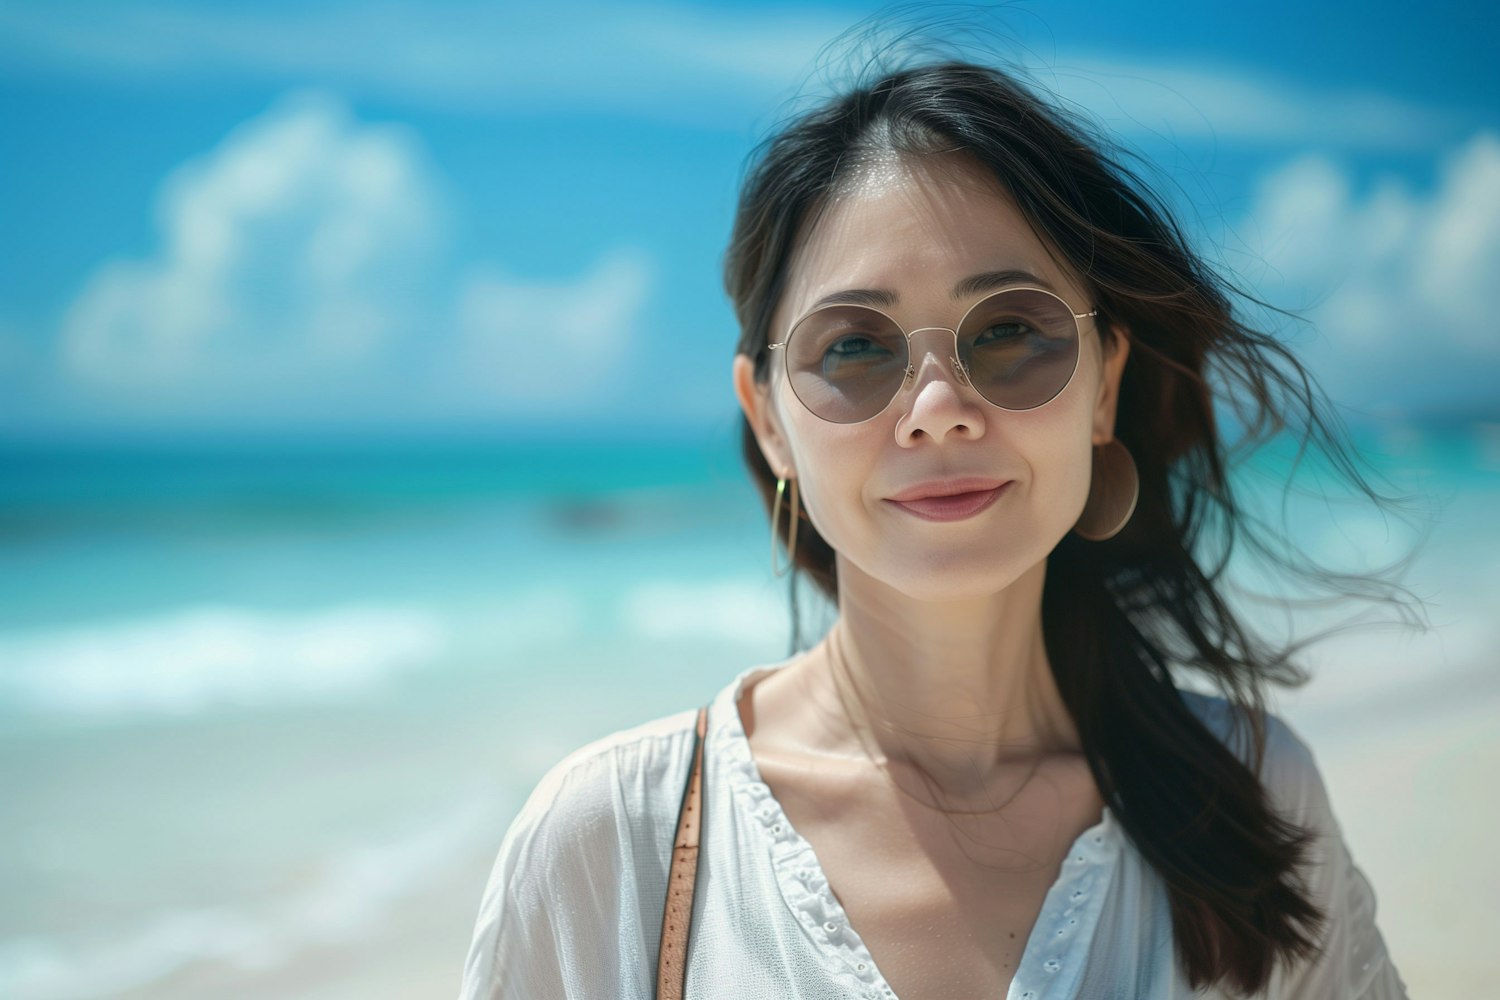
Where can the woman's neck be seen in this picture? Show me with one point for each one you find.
(962, 692)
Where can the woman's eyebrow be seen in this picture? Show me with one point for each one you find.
(986, 281)
(974, 284)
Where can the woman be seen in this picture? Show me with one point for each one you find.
(972, 370)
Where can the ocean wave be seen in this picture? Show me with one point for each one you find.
(347, 899)
(740, 610)
(197, 659)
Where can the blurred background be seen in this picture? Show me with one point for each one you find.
(367, 440)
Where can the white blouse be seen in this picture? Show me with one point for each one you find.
(573, 908)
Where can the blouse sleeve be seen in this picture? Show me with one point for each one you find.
(554, 922)
(1353, 962)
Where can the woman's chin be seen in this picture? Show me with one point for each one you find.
(955, 581)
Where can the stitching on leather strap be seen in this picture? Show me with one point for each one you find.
(682, 878)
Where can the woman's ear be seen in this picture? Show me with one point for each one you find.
(755, 400)
(1116, 350)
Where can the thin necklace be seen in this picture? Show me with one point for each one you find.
(900, 733)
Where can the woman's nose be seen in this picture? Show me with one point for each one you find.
(940, 397)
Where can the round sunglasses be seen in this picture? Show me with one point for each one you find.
(1018, 347)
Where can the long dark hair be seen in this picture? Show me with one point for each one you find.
(1118, 616)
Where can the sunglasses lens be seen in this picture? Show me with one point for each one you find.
(846, 362)
(1020, 346)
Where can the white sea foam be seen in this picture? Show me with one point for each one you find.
(200, 658)
(546, 615)
(740, 610)
(351, 896)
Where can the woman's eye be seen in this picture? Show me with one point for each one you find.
(850, 347)
(1004, 331)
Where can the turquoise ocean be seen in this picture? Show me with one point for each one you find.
(266, 710)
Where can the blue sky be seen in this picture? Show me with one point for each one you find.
(443, 218)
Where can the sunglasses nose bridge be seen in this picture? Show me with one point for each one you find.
(942, 343)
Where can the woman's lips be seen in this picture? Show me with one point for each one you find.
(951, 508)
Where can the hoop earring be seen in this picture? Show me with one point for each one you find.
(1114, 488)
(791, 543)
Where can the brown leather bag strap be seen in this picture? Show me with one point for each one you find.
(671, 964)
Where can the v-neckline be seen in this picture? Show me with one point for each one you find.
(1051, 962)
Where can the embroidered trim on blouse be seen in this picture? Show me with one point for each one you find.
(1064, 926)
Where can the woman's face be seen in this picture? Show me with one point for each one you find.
(916, 229)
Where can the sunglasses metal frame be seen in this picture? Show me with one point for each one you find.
(959, 370)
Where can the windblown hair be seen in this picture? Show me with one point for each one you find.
(1118, 616)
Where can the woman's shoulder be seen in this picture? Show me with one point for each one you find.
(606, 807)
(630, 781)
(640, 745)
(584, 862)
(613, 776)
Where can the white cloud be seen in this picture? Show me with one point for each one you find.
(291, 252)
(1186, 99)
(1399, 284)
(665, 60)
(539, 343)
(710, 67)
(297, 275)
